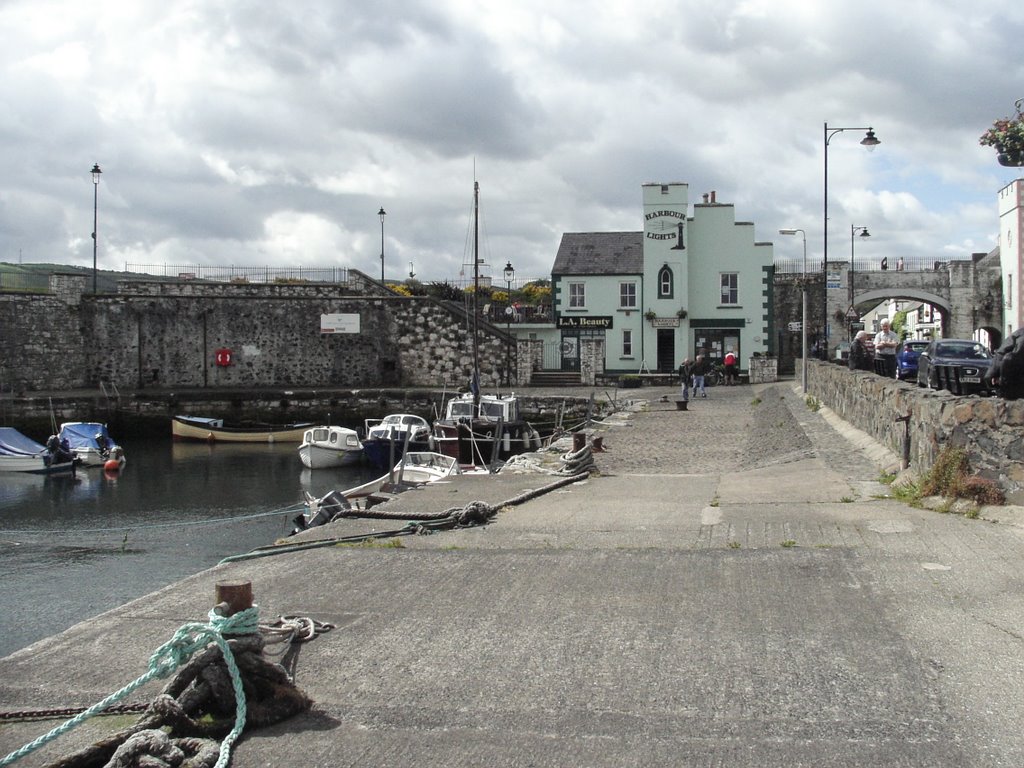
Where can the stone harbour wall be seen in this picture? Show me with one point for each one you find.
(988, 429)
(160, 335)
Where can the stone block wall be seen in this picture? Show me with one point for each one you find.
(167, 335)
(988, 429)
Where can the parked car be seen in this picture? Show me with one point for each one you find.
(906, 358)
(970, 359)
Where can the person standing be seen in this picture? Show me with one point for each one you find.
(685, 374)
(862, 353)
(730, 367)
(886, 342)
(700, 369)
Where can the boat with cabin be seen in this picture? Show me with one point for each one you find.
(90, 441)
(330, 446)
(387, 439)
(484, 429)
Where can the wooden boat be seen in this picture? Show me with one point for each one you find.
(19, 453)
(214, 431)
(387, 439)
(484, 429)
(330, 446)
(91, 442)
(415, 469)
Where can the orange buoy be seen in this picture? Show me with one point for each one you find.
(111, 465)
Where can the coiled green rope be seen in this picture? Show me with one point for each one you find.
(190, 638)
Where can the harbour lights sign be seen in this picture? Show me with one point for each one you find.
(664, 225)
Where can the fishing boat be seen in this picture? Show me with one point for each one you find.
(91, 442)
(214, 431)
(330, 446)
(484, 429)
(415, 469)
(387, 439)
(19, 453)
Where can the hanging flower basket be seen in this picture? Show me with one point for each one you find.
(1007, 137)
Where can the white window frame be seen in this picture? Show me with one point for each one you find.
(730, 288)
(627, 295)
(577, 295)
(666, 282)
(627, 342)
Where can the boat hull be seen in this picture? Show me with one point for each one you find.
(316, 457)
(484, 442)
(184, 429)
(383, 453)
(35, 465)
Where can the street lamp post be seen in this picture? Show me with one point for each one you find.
(853, 264)
(382, 213)
(510, 274)
(870, 142)
(803, 308)
(95, 209)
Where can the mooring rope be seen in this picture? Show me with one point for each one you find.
(189, 638)
(473, 513)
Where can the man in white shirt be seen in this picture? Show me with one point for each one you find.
(886, 342)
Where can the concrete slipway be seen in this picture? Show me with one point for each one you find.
(733, 587)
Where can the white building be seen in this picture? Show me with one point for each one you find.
(682, 284)
(1011, 253)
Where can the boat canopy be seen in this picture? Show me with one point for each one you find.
(85, 434)
(13, 443)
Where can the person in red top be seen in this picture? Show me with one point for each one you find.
(730, 368)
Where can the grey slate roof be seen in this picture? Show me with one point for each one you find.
(600, 253)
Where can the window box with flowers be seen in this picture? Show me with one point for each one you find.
(1007, 136)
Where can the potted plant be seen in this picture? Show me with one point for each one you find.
(681, 313)
(650, 314)
(1007, 136)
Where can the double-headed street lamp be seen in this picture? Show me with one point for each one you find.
(382, 213)
(870, 142)
(95, 209)
(510, 275)
(853, 263)
(803, 308)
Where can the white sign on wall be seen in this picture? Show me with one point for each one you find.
(339, 323)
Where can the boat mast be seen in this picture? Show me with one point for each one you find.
(475, 382)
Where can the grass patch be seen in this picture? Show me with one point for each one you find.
(950, 477)
(788, 544)
(713, 502)
(813, 403)
(756, 401)
(734, 545)
(374, 544)
(847, 500)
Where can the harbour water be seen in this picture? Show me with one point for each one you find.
(71, 548)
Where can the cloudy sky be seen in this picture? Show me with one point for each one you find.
(269, 134)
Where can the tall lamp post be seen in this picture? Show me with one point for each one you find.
(870, 142)
(510, 274)
(95, 209)
(803, 308)
(382, 213)
(853, 264)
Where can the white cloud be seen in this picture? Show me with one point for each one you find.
(272, 134)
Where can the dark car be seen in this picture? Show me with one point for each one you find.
(954, 364)
(906, 358)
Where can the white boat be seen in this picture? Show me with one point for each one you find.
(387, 439)
(19, 453)
(415, 469)
(91, 442)
(330, 446)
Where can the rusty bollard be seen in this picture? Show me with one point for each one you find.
(578, 441)
(232, 597)
(597, 444)
(681, 405)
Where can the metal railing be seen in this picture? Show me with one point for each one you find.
(235, 274)
(915, 264)
(17, 282)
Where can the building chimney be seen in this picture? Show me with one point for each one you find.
(712, 196)
(705, 198)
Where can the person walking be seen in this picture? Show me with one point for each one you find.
(685, 375)
(700, 369)
(886, 342)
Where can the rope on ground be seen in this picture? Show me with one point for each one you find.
(175, 727)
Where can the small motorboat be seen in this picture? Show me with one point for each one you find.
(91, 442)
(19, 453)
(330, 446)
(388, 438)
(415, 469)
